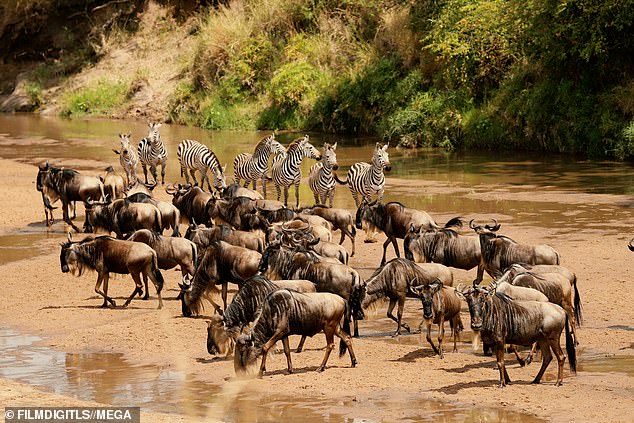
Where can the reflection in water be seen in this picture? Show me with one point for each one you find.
(108, 378)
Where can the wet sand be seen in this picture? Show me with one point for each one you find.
(64, 310)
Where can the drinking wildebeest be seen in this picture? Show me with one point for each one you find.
(222, 330)
(221, 263)
(191, 202)
(170, 251)
(500, 320)
(440, 304)
(339, 218)
(279, 262)
(285, 313)
(123, 217)
(393, 219)
(70, 186)
(202, 237)
(170, 215)
(443, 245)
(107, 255)
(499, 252)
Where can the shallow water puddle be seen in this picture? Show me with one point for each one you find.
(22, 246)
(110, 379)
(606, 363)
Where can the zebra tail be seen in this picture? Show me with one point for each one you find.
(339, 181)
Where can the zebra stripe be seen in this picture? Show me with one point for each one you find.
(194, 156)
(321, 179)
(252, 167)
(152, 152)
(286, 170)
(128, 159)
(366, 179)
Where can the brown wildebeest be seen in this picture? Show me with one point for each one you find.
(235, 190)
(222, 330)
(393, 281)
(69, 186)
(114, 184)
(499, 252)
(340, 219)
(170, 215)
(393, 219)
(221, 263)
(500, 321)
(202, 237)
(285, 313)
(440, 304)
(191, 202)
(123, 217)
(107, 255)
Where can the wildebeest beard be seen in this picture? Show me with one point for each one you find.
(502, 318)
(86, 253)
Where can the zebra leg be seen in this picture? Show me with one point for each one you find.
(331, 197)
(154, 169)
(145, 172)
(193, 173)
(263, 186)
(205, 178)
(297, 195)
(184, 172)
(163, 173)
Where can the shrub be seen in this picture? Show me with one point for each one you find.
(98, 98)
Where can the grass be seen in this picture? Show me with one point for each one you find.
(101, 97)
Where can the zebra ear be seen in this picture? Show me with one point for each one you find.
(386, 146)
(129, 135)
(334, 146)
(224, 168)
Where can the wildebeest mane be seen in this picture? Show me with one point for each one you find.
(381, 283)
(286, 262)
(87, 252)
(503, 318)
(247, 301)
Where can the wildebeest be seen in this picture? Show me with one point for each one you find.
(279, 262)
(393, 219)
(499, 252)
(500, 321)
(191, 202)
(438, 271)
(170, 251)
(339, 218)
(107, 255)
(393, 281)
(221, 263)
(285, 313)
(222, 330)
(170, 215)
(440, 304)
(70, 186)
(114, 184)
(123, 217)
(203, 236)
(235, 190)
(231, 211)
(443, 245)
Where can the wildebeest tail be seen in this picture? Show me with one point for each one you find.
(339, 181)
(578, 316)
(346, 328)
(356, 297)
(157, 274)
(157, 223)
(195, 256)
(570, 348)
(407, 251)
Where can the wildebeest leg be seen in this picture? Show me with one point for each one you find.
(441, 335)
(301, 344)
(147, 291)
(561, 358)
(356, 328)
(529, 357)
(287, 352)
(137, 287)
(385, 244)
(330, 344)
(546, 359)
(66, 217)
(225, 287)
(390, 308)
(104, 278)
(267, 346)
(428, 337)
(395, 245)
(517, 356)
(346, 339)
(499, 355)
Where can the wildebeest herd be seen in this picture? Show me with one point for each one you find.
(292, 279)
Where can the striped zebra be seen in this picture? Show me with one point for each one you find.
(252, 167)
(128, 159)
(321, 180)
(152, 153)
(286, 170)
(195, 156)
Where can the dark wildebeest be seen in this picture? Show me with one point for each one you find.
(393, 281)
(170, 251)
(339, 218)
(443, 245)
(123, 217)
(287, 312)
(202, 237)
(440, 304)
(191, 202)
(49, 197)
(107, 255)
(230, 211)
(222, 330)
(170, 215)
(499, 252)
(303, 239)
(500, 321)
(221, 263)
(114, 184)
(279, 262)
(235, 190)
(393, 219)
(69, 186)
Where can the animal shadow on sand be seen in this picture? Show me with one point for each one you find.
(412, 356)
(216, 359)
(457, 387)
(479, 365)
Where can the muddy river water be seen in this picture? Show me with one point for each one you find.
(543, 193)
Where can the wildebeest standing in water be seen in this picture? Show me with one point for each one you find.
(107, 255)
(285, 313)
(70, 186)
(393, 219)
(500, 320)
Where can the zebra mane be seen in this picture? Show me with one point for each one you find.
(294, 145)
(263, 146)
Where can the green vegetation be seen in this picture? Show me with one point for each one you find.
(98, 98)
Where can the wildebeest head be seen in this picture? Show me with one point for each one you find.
(381, 158)
(43, 174)
(476, 298)
(186, 288)
(219, 340)
(245, 356)
(369, 212)
(426, 294)
(485, 229)
(69, 259)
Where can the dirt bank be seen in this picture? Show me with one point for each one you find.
(38, 299)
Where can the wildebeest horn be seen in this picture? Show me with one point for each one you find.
(493, 227)
(471, 225)
(170, 189)
(631, 245)
(70, 237)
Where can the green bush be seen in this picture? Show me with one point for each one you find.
(99, 98)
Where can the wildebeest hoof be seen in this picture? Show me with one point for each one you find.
(354, 363)
(321, 368)
(290, 371)
(370, 241)
(104, 305)
(146, 297)
(298, 350)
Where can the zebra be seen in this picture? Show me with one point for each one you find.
(252, 167)
(286, 170)
(152, 152)
(321, 179)
(366, 179)
(128, 159)
(195, 156)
